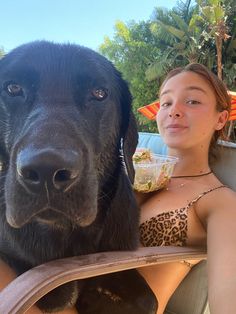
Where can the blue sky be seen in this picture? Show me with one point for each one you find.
(84, 22)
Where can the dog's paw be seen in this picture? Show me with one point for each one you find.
(60, 298)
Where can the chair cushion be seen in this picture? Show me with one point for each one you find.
(152, 141)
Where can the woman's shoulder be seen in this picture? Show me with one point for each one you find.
(217, 198)
(223, 199)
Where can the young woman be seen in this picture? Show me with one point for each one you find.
(195, 208)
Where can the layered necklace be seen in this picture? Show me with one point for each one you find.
(188, 176)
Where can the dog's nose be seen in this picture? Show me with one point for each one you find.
(47, 169)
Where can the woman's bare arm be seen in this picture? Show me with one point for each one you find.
(221, 235)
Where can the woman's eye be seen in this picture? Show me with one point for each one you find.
(165, 104)
(13, 89)
(193, 102)
(100, 93)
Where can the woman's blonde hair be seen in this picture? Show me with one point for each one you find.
(223, 99)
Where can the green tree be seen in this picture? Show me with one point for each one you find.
(218, 18)
(183, 40)
(144, 52)
(214, 18)
(131, 50)
(229, 47)
(229, 60)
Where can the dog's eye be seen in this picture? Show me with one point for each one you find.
(100, 93)
(14, 89)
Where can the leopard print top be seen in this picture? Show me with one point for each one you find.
(168, 228)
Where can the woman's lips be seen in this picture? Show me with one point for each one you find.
(176, 127)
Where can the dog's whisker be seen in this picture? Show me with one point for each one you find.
(104, 196)
(2, 202)
(4, 123)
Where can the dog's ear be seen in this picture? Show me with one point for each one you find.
(130, 141)
(129, 132)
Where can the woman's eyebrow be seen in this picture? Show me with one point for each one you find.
(187, 88)
(197, 88)
(165, 92)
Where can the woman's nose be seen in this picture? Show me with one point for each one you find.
(175, 111)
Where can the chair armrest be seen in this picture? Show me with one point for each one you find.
(29, 287)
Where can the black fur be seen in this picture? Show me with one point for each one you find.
(65, 119)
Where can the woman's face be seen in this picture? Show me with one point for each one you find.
(188, 115)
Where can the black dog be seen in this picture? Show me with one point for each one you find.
(66, 130)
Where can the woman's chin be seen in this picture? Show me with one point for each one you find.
(175, 143)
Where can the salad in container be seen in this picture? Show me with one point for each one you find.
(152, 171)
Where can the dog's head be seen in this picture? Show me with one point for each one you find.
(64, 113)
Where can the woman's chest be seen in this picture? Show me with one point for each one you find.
(169, 219)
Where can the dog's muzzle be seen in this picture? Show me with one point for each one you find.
(50, 169)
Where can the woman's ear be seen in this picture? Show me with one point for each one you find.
(222, 119)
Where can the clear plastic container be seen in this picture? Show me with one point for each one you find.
(154, 174)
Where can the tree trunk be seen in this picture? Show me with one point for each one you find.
(218, 40)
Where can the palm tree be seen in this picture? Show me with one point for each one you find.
(229, 60)
(214, 17)
(229, 48)
(215, 14)
(183, 40)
